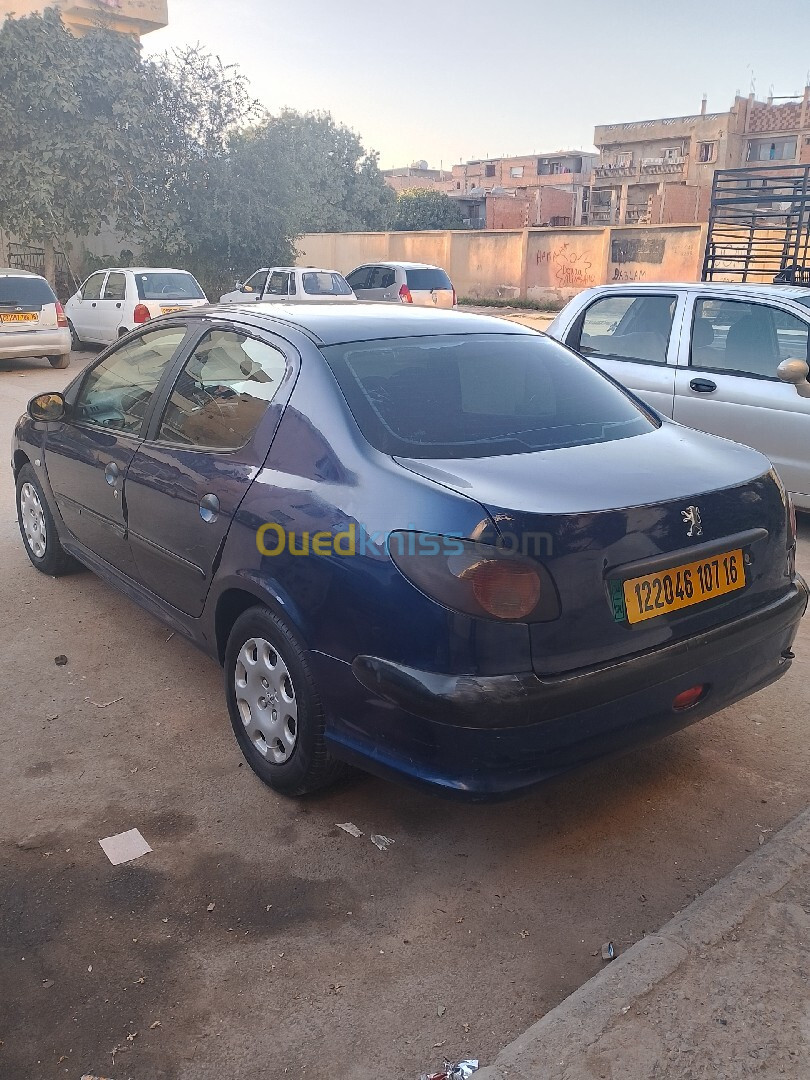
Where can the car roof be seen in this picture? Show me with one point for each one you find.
(337, 323)
(145, 270)
(403, 265)
(11, 271)
(752, 288)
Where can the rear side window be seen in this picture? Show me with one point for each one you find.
(480, 395)
(322, 283)
(168, 286)
(30, 292)
(747, 338)
(428, 280)
(116, 287)
(222, 392)
(382, 277)
(627, 328)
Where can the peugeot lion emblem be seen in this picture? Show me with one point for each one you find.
(691, 517)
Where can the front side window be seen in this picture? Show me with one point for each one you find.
(627, 327)
(117, 392)
(116, 287)
(255, 283)
(278, 283)
(358, 279)
(480, 395)
(324, 283)
(222, 392)
(168, 285)
(91, 290)
(745, 338)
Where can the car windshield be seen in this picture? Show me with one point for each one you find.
(32, 292)
(428, 279)
(168, 286)
(321, 283)
(480, 395)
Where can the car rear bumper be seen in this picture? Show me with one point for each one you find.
(21, 343)
(490, 737)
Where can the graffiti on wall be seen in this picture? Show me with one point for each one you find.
(571, 269)
(628, 275)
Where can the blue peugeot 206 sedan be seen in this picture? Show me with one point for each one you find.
(438, 546)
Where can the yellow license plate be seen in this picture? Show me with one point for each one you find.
(683, 586)
(169, 310)
(18, 316)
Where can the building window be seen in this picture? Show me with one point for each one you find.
(624, 161)
(672, 153)
(489, 170)
(783, 149)
(706, 151)
(516, 171)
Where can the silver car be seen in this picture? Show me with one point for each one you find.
(32, 322)
(724, 358)
(403, 283)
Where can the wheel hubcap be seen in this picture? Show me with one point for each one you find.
(32, 518)
(265, 697)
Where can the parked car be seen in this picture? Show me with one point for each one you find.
(438, 546)
(403, 283)
(112, 302)
(32, 322)
(726, 358)
(290, 284)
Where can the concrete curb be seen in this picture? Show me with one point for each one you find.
(551, 1046)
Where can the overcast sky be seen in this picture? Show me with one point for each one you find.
(447, 81)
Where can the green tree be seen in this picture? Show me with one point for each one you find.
(72, 147)
(422, 208)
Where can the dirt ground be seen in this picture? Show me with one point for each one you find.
(321, 956)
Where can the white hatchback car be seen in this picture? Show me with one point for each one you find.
(112, 302)
(725, 358)
(290, 284)
(32, 322)
(403, 283)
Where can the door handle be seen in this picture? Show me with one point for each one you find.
(111, 473)
(93, 304)
(703, 386)
(209, 508)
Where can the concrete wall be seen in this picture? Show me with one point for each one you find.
(539, 264)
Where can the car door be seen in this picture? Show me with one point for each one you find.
(727, 383)
(83, 308)
(203, 450)
(634, 337)
(359, 281)
(88, 454)
(277, 287)
(382, 284)
(109, 308)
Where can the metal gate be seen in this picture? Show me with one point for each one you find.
(759, 225)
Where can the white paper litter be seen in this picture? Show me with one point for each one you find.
(382, 842)
(347, 826)
(124, 847)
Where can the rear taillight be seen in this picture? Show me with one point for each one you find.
(141, 314)
(61, 317)
(405, 295)
(477, 579)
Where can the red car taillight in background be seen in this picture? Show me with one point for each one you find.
(141, 314)
(61, 317)
(405, 295)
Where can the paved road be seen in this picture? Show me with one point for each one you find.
(321, 955)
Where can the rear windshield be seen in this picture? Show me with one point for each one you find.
(427, 280)
(480, 395)
(178, 286)
(32, 292)
(325, 284)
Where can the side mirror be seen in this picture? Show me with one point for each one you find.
(46, 407)
(795, 372)
(245, 288)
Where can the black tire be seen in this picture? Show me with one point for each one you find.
(59, 361)
(54, 560)
(122, 331)
(76, 342)
(308, 766)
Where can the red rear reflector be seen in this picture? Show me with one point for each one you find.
(405, 294)
(503, 589)
(688, 698)
(141, 314)
(61, 317)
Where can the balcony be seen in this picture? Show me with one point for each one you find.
(601, 171)
(663, 165)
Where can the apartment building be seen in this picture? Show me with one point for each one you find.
(136, 17)
(661, 171)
